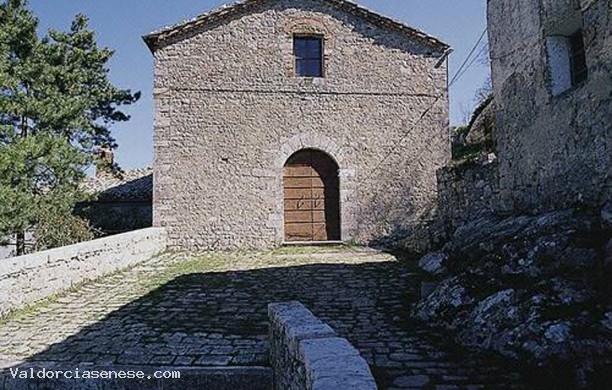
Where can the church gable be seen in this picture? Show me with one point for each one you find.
(176, 33)
(288, 44)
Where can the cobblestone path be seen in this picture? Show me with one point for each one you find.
(211, 310)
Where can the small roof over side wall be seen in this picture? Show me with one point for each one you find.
(163, 37)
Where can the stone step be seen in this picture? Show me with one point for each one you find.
(371, 257)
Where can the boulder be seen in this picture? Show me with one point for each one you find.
(526, 287)
(489, 318)
(558, 333)
(434, 263)
(440, 307)
(482, 124)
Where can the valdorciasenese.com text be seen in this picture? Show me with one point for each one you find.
(43, 373)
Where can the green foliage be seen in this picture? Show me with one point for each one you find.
(467, 152)
(56, 107)
(460, 149)
(462, 130)
(58, 84)
(82, 102)
(38, 174)
(478, 136)
(59, 229)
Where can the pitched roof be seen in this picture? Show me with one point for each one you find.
(159, 38)
(129, 186)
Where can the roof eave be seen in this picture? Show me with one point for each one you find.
(150, 40)
(156, 39)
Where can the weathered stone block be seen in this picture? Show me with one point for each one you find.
(434, 263)
(306, 354)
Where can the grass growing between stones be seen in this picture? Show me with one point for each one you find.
(174, 265)
(204, 263)
(185, 264)
(21, 313)
(307, 250)
(26, 311)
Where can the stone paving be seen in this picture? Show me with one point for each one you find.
(211, 310)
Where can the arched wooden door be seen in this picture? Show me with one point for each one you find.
(312, 197)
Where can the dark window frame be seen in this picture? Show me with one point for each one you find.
(302, 58)
(578, 61)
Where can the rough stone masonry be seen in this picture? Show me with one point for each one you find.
(554, 133)
(230, 111)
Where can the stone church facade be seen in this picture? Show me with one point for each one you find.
(296, 121)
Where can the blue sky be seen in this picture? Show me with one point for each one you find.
(121, 23)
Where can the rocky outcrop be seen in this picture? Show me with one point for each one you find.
(529, 287)
(482, 125)
(477, 140)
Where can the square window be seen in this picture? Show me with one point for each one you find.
(578, 58)
(308, 53)
(567, 61)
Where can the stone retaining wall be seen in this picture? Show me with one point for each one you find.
(306, 354)
(467, 192)
(30, 278)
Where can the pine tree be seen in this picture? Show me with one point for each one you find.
(56, 106)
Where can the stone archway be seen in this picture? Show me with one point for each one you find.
(311, 193)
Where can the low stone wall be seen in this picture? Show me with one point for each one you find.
(30, 278)
(467, 192)
(306, 354)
